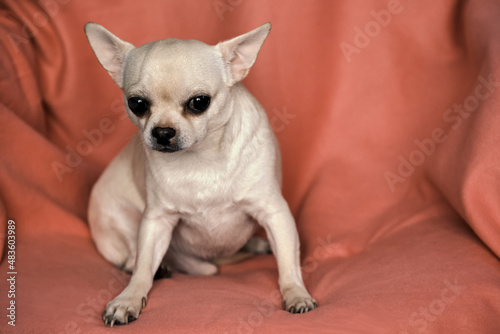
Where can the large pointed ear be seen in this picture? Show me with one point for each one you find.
(109, 49)
(239, 53)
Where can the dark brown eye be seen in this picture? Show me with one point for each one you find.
(138, 105)
(199, 104)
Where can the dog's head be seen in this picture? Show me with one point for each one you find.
(176, 91)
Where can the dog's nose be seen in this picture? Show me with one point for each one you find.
(163, 135)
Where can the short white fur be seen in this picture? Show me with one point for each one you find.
(205, 200)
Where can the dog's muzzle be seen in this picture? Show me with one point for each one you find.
(164, 139)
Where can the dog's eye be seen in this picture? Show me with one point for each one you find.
(138, 105)
(199, 104)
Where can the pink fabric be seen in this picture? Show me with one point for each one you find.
(387, 116)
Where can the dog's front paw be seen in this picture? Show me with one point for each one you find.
(122, 310)
(298, 301)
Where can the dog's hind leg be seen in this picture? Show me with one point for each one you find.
(257, 246)
(188, 264)
(116, 207)
(254, 246)
(115, 234)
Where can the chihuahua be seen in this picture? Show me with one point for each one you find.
(200, 175)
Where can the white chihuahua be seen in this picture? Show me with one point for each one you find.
(200, 175)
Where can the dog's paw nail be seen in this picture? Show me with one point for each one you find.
(299, 304)
(129, 318)
(108, 319)
(122, 310)
(144, 302)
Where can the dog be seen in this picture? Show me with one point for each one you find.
(200, 175)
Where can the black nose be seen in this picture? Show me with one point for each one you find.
(163, 135)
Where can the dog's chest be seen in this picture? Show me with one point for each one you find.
(212, 210)
(214, 232)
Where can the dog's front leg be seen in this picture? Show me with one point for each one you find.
(154, 237)
(281, 231)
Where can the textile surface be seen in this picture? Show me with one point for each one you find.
(387, 114)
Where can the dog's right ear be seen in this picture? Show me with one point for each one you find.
(109, 50)
(239, 54)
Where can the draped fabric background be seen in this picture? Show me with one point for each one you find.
(388, 116)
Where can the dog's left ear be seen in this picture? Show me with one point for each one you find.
(109, 50)
(239, 53)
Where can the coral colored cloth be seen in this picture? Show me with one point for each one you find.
(388, 116)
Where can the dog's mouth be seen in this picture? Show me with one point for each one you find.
(166, 148)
